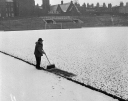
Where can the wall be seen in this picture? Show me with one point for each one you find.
(2, 8)
(124, 9)
(26, 7)
(6, 9)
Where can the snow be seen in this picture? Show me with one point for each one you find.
(22, 82)
(98, 56)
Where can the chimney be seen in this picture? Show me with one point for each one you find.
(62, 2)
(109, 5)
(98, 5)
(121, 4)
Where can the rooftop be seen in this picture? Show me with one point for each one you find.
(53, 7)
(65, 6)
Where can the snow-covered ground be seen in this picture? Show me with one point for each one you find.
(98, 56)
(22, 82)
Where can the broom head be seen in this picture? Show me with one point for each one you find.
(50, 66)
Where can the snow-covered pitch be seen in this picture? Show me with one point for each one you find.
(98, 56)
(22, 82)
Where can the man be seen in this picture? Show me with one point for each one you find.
(39, 52)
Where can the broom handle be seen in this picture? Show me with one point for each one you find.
(47, 58)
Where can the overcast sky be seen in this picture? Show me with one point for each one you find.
(114, 2)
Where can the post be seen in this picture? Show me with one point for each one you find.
(112, 21)
(61, 26)
(45, 25)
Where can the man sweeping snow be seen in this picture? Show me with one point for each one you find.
(38, 52)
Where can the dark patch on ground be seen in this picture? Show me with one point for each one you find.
(61, 72)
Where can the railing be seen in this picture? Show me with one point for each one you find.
(56, 17)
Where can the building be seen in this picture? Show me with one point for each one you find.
(6, 8)
(46, 6)
(69, 8)
(101, 9)
(16, 8)
(124, 9)
(83, 8)
(24, 7)
(64, 9)
(38, 10)
(115, 10)
(55, 9)
(2, 7)
(9, 8)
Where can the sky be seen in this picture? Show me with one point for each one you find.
(114, 2)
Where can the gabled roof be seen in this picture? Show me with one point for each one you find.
(77, 8)
(65, 6)
(53, 7)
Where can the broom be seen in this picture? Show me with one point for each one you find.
(50, 66)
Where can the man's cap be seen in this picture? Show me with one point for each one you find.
(40, 39)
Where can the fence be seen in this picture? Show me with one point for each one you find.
(62, 26)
